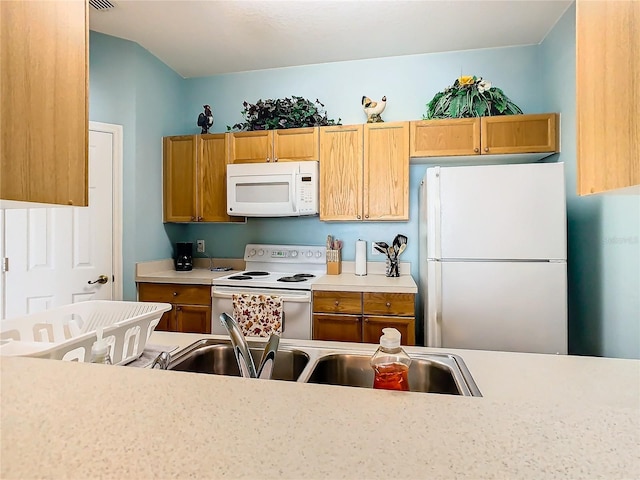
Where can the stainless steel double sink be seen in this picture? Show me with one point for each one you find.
(428, 373)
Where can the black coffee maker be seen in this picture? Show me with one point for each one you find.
(184, 256)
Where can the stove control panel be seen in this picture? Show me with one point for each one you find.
(285, 253)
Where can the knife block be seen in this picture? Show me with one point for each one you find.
(334, 262)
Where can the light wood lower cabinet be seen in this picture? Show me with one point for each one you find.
(190, 306)
(361, 316)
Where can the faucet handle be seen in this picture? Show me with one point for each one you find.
(162, 361)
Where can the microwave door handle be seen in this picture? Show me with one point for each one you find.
(294, 188)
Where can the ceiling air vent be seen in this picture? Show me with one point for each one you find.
(101, 4)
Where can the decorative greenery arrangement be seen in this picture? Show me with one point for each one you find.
(470, 97)
(291, 112)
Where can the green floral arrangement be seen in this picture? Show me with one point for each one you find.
(294, 112)
(470, 96)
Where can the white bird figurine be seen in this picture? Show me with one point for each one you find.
(374, 109)
(205, 119)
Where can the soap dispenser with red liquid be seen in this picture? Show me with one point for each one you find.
(390, 362)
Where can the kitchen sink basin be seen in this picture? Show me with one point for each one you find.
(217, 357)
(437, 373)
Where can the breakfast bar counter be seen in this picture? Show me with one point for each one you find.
(541, 416)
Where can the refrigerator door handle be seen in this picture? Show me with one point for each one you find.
(434, 206)
(434, 305)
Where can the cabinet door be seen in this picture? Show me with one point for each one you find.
(445, 137)
(373, 325)
(179, 178)
(251, 147)
(519, 134)
(339, 328)
(213, 152)
(296, 144)
(192, 319)
(386, 171)
(608, 102)
(44, 110)
(341, 172)
(166, 323)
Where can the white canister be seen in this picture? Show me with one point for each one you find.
(361, 257)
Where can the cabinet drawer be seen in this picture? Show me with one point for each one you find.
(401, 304)
(337, 302)
(337, 328)
(173, 293)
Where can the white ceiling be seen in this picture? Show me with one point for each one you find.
(202, 38)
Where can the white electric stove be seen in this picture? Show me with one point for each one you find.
(287, 271)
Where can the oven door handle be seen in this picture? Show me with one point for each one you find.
(305, 298)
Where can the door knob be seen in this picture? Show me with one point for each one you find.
(102, 279)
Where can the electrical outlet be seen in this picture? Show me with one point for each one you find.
(373, 249)
(200, 246)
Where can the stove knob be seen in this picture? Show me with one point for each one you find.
(294, 253)
(309, 254)
(252, 253)
(260, 252)
(318, 254)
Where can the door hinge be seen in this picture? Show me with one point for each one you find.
(5, 264)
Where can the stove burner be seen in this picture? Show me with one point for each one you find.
(257, 273)
(304, 275)
(240, 277)
(294, 278)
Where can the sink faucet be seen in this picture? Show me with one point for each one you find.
(243, 355)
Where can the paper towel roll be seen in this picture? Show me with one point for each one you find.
(361, 257)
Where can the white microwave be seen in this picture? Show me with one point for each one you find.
(282, 189)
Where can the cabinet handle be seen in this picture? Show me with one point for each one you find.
(365, 320)
(476, 150)
(388, 304)
(358, 217)
(275, 159)
(337, 303)
(193, 219)
(179, 309)
(486, 149)
(268, 159)
(366, 216)
(175, 294)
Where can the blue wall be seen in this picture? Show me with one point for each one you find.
(152, 101)
(603, 230)
(130, 87)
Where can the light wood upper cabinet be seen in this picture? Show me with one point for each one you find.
(283, 145)
(608, 95)
(194, 178)
(364, 172)
(497, 135)
(386, 171)
(44, 108)
(435, 138)
(341, 172)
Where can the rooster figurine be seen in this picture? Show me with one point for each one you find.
(374, 109)
(205, 119)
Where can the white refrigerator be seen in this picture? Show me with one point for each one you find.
(493, 270)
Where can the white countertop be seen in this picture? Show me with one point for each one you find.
(541, 416)
(162, 271)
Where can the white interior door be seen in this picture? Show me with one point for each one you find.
(53, 253)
